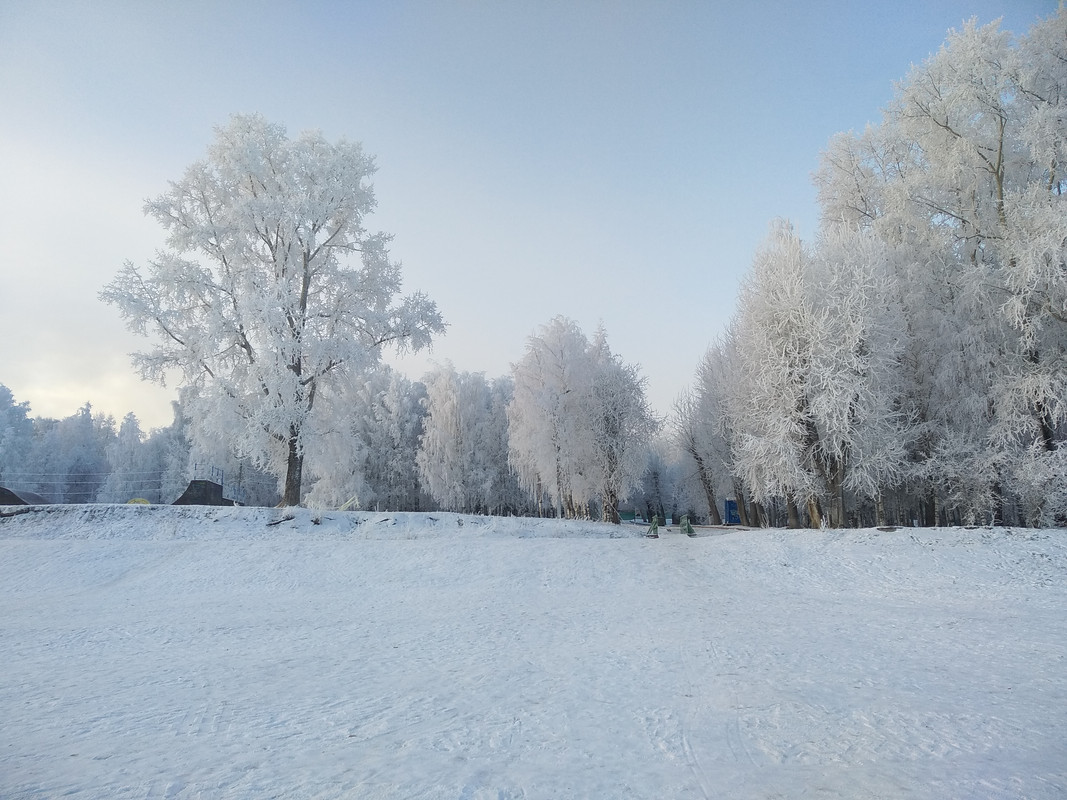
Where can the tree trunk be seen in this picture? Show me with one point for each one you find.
(714, 517)
(559, 485)
(294, 469)
(837, 494)
(568, 506)
(742, 504)
(758, 515)
(814, 515)
(792, 513)
(610, 511)
(929, 510)
(1046, 428)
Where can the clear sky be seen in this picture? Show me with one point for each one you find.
(614, 162)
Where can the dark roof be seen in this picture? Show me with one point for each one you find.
(11, 497)
(203, 493)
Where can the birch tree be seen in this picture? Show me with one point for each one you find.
(966, 173)
(775, 328)
(463, 452)
(622, 425)
(545, 417)
(703, 428)
(819, 340)
(270, 288)
(579, 422)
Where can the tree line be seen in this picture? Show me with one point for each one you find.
(273, 303)
(566, 434)
(909, 365)
(89, 458)
(906, 366)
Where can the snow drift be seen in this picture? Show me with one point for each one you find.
(183, 652)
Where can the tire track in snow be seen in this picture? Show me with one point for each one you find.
(710, 700)
(734, 738)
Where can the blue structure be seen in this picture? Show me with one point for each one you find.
(731, 516)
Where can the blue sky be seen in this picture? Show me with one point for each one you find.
(614, 162)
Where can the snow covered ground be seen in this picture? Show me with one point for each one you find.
(157, 652)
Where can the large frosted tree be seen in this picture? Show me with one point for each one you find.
(818, 334)
(579, 422)
(270, 288)
(965, 175)
(547, 435)
(463, 452)
(622, 424)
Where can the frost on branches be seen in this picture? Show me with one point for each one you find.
(579, 423)
(270, 289)
(816, 405)
(911, 365)
(463, 453)
(966, 173)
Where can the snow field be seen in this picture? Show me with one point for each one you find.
(154, 652)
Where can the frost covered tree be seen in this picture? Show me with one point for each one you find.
(965, 174)
(68, 462)
(16, 436)
(721, 404)
(1031, 419)
(270, 288)
(339, 463)
(449, 449)
(622, 425)
(400, 415)
(367, 458)
(131, 474)
(691, 424)
(819, 341)
(855, 386)
(954, 334)
(547, 437)
(169, 449)
(776, 326)
(702, 427)
(65, 461)
(463, 453)
(579, 421)
(914, 357)
(507, 496)
(657, 493)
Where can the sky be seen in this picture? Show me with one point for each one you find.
(617, 163)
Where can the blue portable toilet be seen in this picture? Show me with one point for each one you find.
(731, 517)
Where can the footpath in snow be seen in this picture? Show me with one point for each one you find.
(166, 652)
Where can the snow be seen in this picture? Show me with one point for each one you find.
(158, 652)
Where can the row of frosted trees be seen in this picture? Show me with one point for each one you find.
(88, 458)
(566, 434)
(909, 366)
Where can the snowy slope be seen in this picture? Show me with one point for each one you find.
(155, 652)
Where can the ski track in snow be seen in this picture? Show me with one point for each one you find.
(155, 652)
